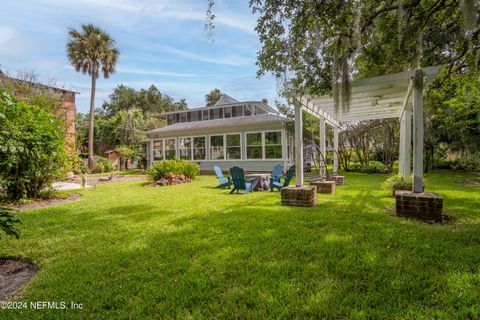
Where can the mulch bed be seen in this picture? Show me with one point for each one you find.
(13, 274)
(91, 181)
(40, 203)
(469, 182)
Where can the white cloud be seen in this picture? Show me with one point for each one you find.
(231, 60)
(151, 72)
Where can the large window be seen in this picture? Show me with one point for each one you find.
(199, 148)
(264, 145)
(185, 148)
(228, 112)
(216, 113)
(254, 145)
(158, 150)
(169, 149)
(237, 111)
(249, 110)
(217, 151)
(183, 117)
(205, 114)
(233, 146)
(273, 145)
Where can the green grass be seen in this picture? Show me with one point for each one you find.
(192, 251)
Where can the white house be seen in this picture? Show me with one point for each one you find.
(248, 134)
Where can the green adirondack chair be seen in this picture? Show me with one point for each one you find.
(224, 181)
(239, 182)
(286, 179)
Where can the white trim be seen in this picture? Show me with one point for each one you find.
(264, 145)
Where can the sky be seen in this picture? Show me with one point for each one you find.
(161, 42)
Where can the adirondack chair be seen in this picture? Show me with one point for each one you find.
(224, 181)
(239, 181)
(277, 173)
(286, 179)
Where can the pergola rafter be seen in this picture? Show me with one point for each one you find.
(390, 96)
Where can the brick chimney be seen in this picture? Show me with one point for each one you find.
(265, 101)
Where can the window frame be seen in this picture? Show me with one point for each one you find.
(264, 145)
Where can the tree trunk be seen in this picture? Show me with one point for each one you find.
(92, 118)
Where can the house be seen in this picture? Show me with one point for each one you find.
(249, 134)
(66, 98)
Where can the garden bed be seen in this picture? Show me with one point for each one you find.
(41, 203)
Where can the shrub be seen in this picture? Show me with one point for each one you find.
(470, 163)
(372, 167)
(8, 221)
(443, 164)
(32, 152)
(102, 165)
(161, 168)
(398, 182)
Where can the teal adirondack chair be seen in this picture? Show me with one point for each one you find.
(224, 181)
(239, 182)
(277, 173)
(286, 179)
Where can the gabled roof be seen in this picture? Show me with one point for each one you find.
(225, 122)
(225, 99)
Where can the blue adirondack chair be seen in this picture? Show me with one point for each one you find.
(239, 181)
(286, 179)
(277, 173)
(224, 181)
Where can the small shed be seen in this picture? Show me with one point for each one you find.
(113, 157)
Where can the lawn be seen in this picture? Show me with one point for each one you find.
(192, 251)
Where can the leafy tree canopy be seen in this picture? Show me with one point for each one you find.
(317, 43)
(212, 97)
(149, 101)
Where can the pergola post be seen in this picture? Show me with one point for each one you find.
(322, 147)
(418, 132)
(404, 159)
(150, 152)
(335, 146)
(298, 145)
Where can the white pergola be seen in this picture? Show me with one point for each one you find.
(398, 95)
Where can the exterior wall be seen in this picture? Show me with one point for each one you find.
(260, 165)
(68, 113)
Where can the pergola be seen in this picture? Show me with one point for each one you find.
(398, 95)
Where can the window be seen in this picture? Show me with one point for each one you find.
(176, 118)
(228, 112)
(196, 115)
(254, 145)
(249, 110)
(233, 146)
(259, 110)
(183, 117)
(205, 114)
(170, 119)
(216, 148)
(237, 111)
(169, 149)
(273, 145)
(185, 148)
(199, 148)
(158, 150)
(216, 113)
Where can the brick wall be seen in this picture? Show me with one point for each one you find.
(426, 206)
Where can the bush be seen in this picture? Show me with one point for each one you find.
(372, 167)
(398, 182)
(32, 152)
(8, 221)
(470, 163)
(160, 169)
(102, 165)
(443, 164)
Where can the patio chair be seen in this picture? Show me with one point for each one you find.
(239, 181)
(224, 181)
(286, 179)
(277, 173)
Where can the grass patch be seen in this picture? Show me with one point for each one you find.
(193, 251)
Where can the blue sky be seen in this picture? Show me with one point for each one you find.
(161, 42)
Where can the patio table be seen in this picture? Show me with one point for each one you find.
(260, 181)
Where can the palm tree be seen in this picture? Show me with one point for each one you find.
(92, 50)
